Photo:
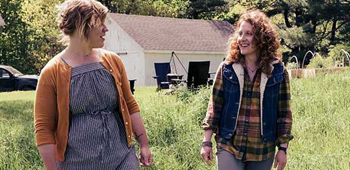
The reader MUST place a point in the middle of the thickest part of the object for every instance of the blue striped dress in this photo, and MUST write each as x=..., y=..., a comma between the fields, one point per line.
x=97, y=138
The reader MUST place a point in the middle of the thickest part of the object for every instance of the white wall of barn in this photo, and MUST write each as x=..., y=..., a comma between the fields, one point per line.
x=131, y=53
x=185, y=57
x=139, y=63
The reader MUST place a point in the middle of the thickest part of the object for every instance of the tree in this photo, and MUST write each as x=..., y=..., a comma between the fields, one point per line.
x=206, y=9
x=30, y=37
x=164, y=8
x=306, y=24
x=14, y=40
x=43, y=30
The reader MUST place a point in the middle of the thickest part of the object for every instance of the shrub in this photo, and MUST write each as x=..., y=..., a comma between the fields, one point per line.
x=339, y=56
x=320, y=62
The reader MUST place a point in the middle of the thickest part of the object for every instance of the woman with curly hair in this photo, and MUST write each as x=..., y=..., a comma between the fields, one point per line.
x=249, y=108
x=84, y=113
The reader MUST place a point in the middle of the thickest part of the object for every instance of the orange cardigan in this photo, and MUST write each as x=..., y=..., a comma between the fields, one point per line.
x=51, y=107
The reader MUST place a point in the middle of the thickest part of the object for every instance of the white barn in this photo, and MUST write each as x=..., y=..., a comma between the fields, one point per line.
x=142, y=41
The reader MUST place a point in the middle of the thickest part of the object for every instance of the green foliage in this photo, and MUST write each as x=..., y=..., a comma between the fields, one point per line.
x=206, y=9
x=13, y=42
x=234, y=11
x=321, y=126
x=340, y=54
x=169, y=8
x=40, y=18
x=307, y=24
x=320, y=62
x=29, y=39
x=16, y=132
x=173, y=126
x=183, y=94
x=292, y=65
x=320, y=123
x=164, y=8
x=295, y=37
x=197, y=9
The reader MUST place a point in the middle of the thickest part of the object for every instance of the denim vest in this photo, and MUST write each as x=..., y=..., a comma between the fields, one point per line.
x=233, y=81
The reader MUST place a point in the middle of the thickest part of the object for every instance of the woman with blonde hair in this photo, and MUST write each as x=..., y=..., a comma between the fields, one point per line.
x=249, y=108
x=84, y=111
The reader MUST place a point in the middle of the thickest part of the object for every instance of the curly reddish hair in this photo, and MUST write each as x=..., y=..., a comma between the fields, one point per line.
x=265, y=37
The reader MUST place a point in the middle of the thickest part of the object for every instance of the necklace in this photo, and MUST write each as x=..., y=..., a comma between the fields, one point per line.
x=251, y=70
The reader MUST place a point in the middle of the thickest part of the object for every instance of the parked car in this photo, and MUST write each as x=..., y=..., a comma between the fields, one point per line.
x=12, y=79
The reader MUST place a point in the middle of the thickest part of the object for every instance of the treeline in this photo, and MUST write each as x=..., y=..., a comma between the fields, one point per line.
x=30, y=37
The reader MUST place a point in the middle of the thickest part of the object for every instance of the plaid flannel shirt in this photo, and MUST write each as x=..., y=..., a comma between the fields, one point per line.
x=246, y=144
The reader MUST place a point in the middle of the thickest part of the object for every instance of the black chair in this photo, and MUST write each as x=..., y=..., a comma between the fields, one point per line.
x=132, y=85
x=162, y=70
x=211, y=78
x=198, y=73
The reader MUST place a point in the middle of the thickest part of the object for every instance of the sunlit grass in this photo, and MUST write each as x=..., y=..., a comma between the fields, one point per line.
x=17, y=95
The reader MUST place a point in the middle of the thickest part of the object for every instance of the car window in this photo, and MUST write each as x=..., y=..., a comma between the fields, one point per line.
x=4, y=74
x=13, y=71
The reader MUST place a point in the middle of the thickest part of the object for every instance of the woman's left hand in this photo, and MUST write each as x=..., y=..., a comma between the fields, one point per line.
x=280, y=160
x=145, y=157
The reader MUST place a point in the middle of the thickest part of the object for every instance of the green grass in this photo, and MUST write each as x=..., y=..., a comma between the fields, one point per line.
x=321, y=126
x=17, y=96
x=16, y=132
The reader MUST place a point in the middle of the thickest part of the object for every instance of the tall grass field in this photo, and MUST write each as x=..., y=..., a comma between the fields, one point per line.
x=321, y=126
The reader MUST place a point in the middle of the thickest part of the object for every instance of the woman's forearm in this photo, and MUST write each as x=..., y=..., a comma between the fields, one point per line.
x=207, y=135
x=48, y=153
x=139, y=129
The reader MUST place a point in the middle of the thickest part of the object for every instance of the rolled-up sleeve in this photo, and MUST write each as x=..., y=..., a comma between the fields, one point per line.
x=45, y=110
x=284, y=119
x=215, y=105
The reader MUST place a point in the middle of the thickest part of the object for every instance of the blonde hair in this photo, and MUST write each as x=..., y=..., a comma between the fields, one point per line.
x=79, y=16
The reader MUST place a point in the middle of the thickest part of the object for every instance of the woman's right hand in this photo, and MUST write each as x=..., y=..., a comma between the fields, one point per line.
x=207, y=154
